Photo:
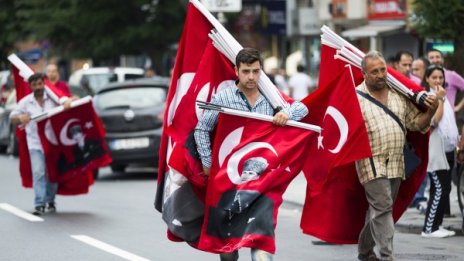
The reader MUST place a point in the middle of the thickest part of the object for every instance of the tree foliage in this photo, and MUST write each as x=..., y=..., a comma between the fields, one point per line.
x=442, y=20
x=99, y=29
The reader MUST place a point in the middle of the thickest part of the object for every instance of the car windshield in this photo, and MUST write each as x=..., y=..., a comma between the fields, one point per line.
x=96, y=81
x=133, y=97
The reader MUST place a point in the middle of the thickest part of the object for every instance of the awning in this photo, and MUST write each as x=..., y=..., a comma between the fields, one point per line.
x=370, y=30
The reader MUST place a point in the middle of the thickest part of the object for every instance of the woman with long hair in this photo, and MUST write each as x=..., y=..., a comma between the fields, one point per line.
x=442, y=144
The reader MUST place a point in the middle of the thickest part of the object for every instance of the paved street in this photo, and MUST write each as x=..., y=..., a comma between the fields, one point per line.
x=117, y=221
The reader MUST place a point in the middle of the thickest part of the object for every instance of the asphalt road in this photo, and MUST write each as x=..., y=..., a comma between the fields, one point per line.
x=117, y=221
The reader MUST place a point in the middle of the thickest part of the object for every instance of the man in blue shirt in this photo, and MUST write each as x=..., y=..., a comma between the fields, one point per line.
x=245, y=96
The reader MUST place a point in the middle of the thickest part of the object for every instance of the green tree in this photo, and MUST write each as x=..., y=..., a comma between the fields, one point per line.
x=11, y=30
x=104, y=29
x=442, y=20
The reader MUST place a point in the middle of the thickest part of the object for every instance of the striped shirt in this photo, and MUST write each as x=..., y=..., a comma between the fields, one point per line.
x=233, y=98
x=386, y=137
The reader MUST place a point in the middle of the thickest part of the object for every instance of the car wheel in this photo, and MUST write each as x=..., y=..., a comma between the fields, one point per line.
x=96, y=172
x=118, y=167
x=12, y=148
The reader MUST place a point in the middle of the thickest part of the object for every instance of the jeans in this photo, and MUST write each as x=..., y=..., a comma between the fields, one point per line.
x=44, y=190
x=256, y=255
x=420, y=194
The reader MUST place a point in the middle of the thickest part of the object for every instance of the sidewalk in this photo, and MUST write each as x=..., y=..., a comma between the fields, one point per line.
x=411, y=221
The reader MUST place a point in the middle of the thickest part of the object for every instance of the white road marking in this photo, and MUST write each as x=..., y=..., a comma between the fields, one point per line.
x=108, y=248
x=20, y=213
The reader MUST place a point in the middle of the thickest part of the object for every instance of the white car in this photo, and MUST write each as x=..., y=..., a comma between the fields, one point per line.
x=97, y=77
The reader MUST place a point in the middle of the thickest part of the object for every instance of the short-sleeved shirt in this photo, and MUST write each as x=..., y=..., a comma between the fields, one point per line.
x=454, y=83
x=29, y=105
x=386, y=137
x=300, y=83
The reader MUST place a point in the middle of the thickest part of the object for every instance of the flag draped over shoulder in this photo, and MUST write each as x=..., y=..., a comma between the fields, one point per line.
x=200, y=71
x=335, y=207
x=253, y=163
x=73, y=144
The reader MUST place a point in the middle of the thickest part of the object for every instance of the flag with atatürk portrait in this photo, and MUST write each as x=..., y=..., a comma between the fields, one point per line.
x=73, y=144
x=252, y=165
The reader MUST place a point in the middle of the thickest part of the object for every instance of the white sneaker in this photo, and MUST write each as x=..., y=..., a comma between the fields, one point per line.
x=436, y=234
x=450, y=232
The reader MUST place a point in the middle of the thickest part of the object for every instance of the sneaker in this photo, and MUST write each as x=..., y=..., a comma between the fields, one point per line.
x=40, y=210
x=51, y=207
x=368, y=257
x=450, y=232
x=436, y=234
x=422, y=207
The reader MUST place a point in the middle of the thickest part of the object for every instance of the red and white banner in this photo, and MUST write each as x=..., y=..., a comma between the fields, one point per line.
x=65, y=186
x=73, y=144
x=253, y=164
x=200, y=71
x=337, y=197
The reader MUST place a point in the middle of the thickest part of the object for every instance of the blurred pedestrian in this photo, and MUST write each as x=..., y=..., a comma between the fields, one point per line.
x=453, y=83
x=403, y=64
x=53, y=76
x=387, y=115
x=300, y=84
x=443, y=142
x=418, y=67
x=279, y=79
x=151, y=73
x=35, y=103
x=420, y=200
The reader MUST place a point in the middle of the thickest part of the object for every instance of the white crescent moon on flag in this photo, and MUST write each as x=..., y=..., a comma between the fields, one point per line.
x=202, y=96
x=65, y=140
x=183, y=84
x=229, y=143
x=342, y=126
x=232, y=165
x=224, y=85
x=50, y=134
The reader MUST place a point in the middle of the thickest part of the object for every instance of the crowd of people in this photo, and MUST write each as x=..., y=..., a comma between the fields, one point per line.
x=387, y=115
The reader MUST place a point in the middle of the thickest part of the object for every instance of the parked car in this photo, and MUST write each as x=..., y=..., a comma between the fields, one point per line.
x=8, y=140
x=132, y=115
x=97, y=77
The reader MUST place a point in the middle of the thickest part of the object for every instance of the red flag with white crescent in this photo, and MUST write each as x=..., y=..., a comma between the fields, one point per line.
x=200, y=70
x=252, y=165
x=340, y=203
x=73, y=142
x=22, y=90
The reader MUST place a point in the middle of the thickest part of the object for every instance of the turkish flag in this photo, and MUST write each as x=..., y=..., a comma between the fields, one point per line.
x=73, y=142
x=200, y=71
x=335, y=212
x=253, y=163
x=343, y=139
x=22, y=89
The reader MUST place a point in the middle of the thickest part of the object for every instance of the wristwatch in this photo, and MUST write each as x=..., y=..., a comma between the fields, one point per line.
x=441, y=98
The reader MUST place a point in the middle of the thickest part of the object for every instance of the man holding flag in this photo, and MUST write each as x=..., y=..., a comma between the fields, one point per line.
x=244, y=96
x=387, y=115
x=35, y=103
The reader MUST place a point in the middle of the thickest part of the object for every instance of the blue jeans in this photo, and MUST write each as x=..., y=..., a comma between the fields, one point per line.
x=44, y=191
x=420, y=194
x=256, y=255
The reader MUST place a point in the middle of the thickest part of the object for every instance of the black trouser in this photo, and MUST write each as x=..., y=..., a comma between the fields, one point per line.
x=439, y=195
x=450, y=157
